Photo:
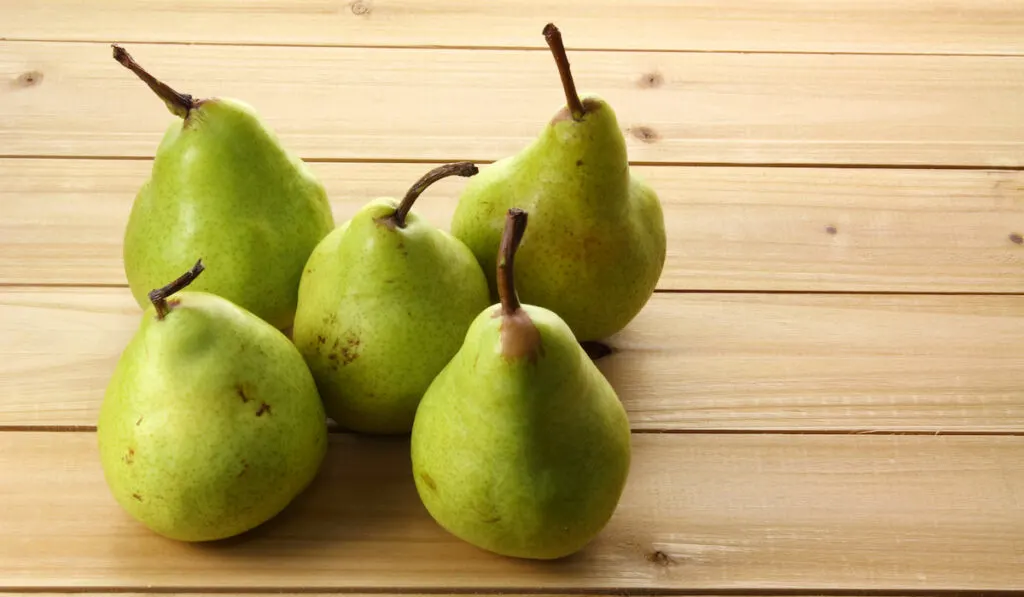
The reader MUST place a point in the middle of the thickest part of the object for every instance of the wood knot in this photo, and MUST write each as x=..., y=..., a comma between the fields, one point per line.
x=660, y=558
x=645, y=134
x=1016, y=239
x=831, y=229
x=650, y=80
x=32, y=77
x=361, y=8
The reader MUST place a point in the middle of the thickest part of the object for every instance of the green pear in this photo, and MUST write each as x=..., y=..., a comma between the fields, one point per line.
x=520, y=446
x=384, y=304
x=598, y=247
x=211, y=423
x=224, y=187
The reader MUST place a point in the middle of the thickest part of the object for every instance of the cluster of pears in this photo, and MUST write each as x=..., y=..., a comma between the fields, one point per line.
x=214, y=419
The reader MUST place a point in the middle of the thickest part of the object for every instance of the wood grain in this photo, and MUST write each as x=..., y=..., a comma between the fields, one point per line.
x=793, y=229
x=700, y=512
x=357, y=103
x=921, y=26
x=689, y=362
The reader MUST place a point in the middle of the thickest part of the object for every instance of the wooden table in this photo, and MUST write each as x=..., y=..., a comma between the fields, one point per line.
x=827, y=392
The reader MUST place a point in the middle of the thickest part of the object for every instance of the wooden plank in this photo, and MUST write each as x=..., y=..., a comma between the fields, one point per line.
x=919, y=26
x=688, y=362
x=738, y=512
x=357, y=103
x=794, y=229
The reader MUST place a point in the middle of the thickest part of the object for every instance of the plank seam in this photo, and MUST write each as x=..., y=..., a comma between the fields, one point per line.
x=512, y=48
x=668, y=164
x=641, y=431
x=640, y=592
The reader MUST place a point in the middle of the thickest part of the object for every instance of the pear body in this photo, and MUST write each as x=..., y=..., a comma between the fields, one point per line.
x=597, y=247
x=223, y=188
x=523, y=456
x=382, y=309
x=211, y=423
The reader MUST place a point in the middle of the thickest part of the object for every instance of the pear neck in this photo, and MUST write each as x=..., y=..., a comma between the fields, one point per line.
x=159, y=296
x=519, y=336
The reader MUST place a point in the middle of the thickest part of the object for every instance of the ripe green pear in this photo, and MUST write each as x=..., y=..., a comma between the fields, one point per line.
x=224, y=187
x=521, y=446
x=384, y=304
x=597, y=247
x=211, y=423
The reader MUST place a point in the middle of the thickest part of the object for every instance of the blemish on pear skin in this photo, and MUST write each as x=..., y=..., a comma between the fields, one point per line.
x=660, y=558
x=345, y=352
x=831, y=229
x=428, y=481
x=645, y=134
x=245, y=468
x=241, y=394
x=1016, y=239
x=139, y=422
x=264, y=408
x=129, y=458
x=579, y=163
x=137, y=497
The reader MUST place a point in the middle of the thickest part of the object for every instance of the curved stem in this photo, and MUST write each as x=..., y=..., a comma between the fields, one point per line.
x=178, y=103
x=515, y=227
x=456, y=169
x=554, y=38
x=159, y=296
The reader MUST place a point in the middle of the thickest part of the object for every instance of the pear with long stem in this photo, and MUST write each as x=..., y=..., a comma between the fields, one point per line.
x=224, y=187
x=596, y=257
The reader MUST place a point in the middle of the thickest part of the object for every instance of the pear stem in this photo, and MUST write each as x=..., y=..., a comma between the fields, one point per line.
x=456, y=169
x=515, y=227
x=554, y=38
x=178, y=103
x=159, y=296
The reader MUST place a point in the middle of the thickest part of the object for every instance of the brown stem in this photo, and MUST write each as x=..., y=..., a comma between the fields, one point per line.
x=515, y=227
x=178, y=103
x=159, y=296
x=456, y=169
x=572, y=99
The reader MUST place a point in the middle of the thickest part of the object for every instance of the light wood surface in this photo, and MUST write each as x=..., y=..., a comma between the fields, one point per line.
x=843, y=363
x=700, y=512
x=916, y=26
x=794, y=229
x=358, y=103
x=827, y=395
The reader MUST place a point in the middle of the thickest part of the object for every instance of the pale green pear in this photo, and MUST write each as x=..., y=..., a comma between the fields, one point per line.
x=521, y=446
x=225, y=188
x=211, y=423
x=597, y=248
x=384, y=304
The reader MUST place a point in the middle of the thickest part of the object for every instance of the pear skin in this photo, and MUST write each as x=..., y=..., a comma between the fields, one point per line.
x=224, y=187
x=597, y=247
x=520, y=446
x=211, y=423
x=384, y=304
